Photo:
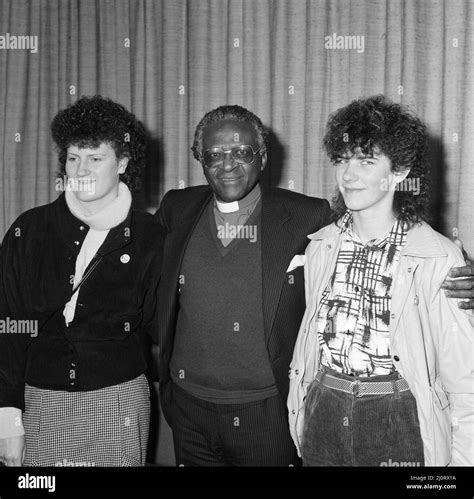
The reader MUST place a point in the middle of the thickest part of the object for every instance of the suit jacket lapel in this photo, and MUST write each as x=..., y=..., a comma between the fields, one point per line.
x=277, y=249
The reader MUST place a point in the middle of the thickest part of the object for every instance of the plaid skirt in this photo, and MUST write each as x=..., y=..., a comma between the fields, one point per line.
x=105, y=427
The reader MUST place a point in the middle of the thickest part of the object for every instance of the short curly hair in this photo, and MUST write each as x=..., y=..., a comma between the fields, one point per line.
x=378, y=124
x=92, y=120
x=235, y=113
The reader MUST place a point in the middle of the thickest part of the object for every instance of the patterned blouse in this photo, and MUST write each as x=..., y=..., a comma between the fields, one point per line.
x=353, y=319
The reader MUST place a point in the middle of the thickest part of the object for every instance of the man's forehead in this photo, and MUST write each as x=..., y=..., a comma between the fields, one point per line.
x=226, y=131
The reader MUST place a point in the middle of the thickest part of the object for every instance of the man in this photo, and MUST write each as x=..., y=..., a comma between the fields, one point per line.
x=230, y=303
x=231, y=299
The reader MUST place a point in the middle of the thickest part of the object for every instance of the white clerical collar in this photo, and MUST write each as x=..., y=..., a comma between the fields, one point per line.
x=246, y=202
x=227, y=207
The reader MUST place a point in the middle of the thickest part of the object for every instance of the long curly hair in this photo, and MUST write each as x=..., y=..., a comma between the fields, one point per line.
x=92, y=120
x=235, y=113
x=380, y=125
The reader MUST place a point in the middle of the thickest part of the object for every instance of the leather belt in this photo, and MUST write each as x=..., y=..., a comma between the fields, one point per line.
x=360, y=388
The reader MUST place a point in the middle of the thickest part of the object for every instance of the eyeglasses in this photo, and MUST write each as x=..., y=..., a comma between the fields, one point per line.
x=241, y=154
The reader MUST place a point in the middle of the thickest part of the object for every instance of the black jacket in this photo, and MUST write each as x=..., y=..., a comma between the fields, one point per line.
x=287, y=219
x=104, y=344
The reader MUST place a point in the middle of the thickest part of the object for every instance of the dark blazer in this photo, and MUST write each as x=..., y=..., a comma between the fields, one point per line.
x=287, y=219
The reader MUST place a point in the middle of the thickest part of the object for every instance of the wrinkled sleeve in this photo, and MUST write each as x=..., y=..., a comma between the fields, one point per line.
x=151, y=283
x=454, y=337
x=13, y=346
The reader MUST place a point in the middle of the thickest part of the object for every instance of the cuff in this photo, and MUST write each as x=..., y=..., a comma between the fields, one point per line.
x=11, y=424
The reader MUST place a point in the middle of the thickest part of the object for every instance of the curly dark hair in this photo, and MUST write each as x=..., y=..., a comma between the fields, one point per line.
x=380, y=125
x=92, y=120
x=235, y=113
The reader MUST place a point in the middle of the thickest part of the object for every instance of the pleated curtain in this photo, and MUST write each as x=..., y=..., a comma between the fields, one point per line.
x=170, y=61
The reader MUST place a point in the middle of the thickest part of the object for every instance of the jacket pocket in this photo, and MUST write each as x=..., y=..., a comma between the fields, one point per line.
x=440, y=396
x=440, y=434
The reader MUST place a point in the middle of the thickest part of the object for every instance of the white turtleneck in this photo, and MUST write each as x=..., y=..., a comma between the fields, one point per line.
x=100, y=224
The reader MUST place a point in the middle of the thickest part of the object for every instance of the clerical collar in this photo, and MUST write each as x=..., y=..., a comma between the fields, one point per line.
x=243, y=203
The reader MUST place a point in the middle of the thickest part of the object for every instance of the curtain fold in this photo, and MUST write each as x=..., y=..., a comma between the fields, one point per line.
x=170, y=61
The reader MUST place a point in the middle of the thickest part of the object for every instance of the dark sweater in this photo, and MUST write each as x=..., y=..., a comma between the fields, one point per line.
x=287, y=219
x=219, y=353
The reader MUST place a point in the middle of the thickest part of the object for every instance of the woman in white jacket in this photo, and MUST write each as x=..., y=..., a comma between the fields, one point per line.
x=382, y=372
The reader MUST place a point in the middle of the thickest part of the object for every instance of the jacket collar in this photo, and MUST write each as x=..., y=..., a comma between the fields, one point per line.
x=422, y=241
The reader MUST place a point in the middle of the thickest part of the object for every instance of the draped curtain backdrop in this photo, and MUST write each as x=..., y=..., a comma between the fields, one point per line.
x=170, y=61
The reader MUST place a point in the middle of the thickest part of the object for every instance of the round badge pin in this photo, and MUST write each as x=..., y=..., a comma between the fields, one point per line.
x=125, y=258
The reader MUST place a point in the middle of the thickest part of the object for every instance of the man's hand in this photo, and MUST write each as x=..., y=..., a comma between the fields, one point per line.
x=460, y=282
x=12, y=450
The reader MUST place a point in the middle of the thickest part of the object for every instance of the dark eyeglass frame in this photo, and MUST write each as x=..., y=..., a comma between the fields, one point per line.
x=231, y=151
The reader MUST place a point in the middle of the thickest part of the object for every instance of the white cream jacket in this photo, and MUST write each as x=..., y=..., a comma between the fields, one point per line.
x=431, y=339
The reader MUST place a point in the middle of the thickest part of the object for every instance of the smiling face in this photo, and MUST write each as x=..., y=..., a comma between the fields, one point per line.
x=95, y=174
x=232, y=180
x=367, y=182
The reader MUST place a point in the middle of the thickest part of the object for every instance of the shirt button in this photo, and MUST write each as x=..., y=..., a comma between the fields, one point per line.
x=81, y=227
x=357, y=289
x=77, y=243
x=329, y=246
x=396, y=358
x=293, y=411
x=392, y=316
x=417, y=300
x=296, y=371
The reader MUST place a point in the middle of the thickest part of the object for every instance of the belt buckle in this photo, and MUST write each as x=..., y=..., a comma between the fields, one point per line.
x=356, y=389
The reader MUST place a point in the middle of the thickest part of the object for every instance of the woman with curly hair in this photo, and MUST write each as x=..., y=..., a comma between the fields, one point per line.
x=82, y=272
x=382, y=368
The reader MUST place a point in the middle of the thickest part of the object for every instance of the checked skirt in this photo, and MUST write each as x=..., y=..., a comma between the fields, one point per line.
x=105, y=427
